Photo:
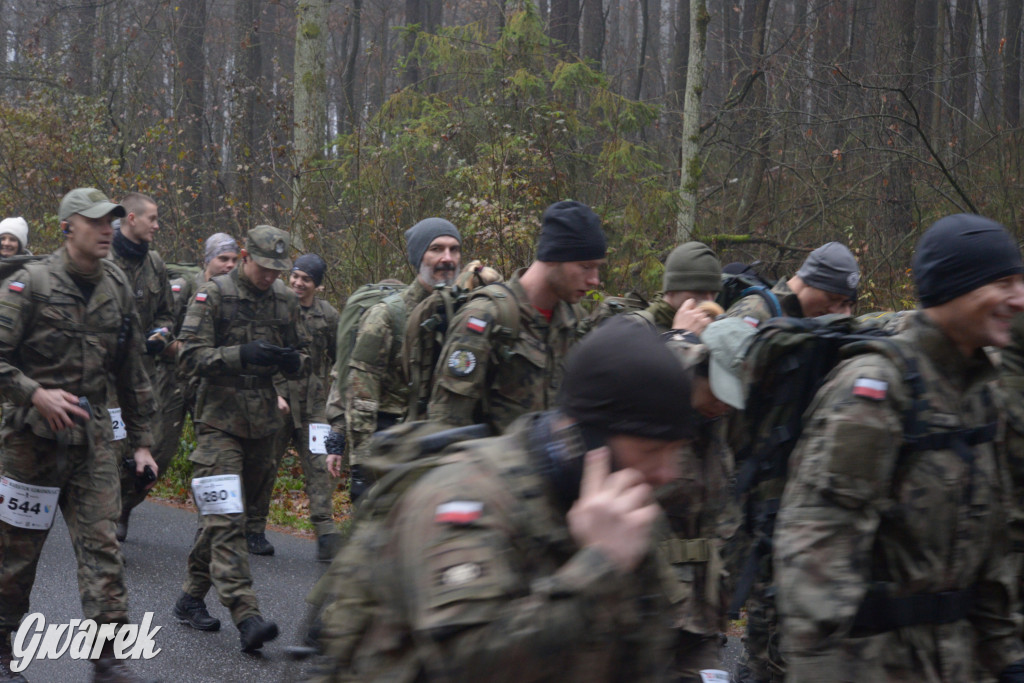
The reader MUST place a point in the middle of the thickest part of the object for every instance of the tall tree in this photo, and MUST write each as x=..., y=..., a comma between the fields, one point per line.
x=690, y=161
x=1011, y=64
x=348, y=78
x=310, y=89
x=593, y=29
x=248, y=68
x=190, y=87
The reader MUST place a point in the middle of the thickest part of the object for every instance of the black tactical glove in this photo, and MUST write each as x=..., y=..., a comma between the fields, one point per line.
x=335, y=443
x=289, y=360
x=260, y=352
x=157, y=341
x=1013, y=673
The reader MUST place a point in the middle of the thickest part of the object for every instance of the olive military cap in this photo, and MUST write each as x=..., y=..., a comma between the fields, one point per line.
x=269, y=247
x=89, y=202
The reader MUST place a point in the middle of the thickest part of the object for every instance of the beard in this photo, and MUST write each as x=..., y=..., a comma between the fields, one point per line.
x=443, y=274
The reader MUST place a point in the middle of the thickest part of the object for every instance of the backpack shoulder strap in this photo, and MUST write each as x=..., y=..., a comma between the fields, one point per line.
x=39, y=278
x=398, y=312
x=507, y=304
x=228, y=300
x=769, y=297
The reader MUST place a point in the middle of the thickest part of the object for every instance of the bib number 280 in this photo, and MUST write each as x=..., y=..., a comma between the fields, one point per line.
x=218, y=495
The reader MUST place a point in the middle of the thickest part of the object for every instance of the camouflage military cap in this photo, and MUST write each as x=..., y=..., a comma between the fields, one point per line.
x=89, y=202
x=269, y=247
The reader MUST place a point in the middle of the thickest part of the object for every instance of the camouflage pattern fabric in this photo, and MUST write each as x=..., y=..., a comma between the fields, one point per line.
x=219, y=556
x=1011, y=385
x=42, y=345
x=704, y=520
x=658, y=313
x=485, y=376
x=306, y=398
x=508, y=595
x=236, y=411
x=855, y=513
x=755, y=310
x=376, y=391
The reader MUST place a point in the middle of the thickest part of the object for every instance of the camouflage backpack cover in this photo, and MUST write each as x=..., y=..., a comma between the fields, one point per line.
x=358, y=303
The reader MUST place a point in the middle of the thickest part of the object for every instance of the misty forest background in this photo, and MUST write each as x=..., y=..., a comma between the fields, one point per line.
x=346, y=121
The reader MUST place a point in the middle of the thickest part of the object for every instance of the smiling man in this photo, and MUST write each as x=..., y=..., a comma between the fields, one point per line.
x=69, y=338
x=505, y=348
x=891, y=543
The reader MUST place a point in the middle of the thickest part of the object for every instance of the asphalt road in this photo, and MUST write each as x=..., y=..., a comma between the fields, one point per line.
x=159, y=539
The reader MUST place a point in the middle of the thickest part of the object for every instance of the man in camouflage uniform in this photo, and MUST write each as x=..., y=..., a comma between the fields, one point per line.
x=147, y=276
x=692, y=273
x=891, y=550
x=1011, y=384
x=220, y=254
x=525, y=557
x=505, y=347
x=825, y=283
x=376, y=394
x=304, y=401
x=241, y=330
x=69, y=331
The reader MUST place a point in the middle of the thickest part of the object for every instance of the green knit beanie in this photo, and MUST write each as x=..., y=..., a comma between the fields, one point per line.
x=692, y=267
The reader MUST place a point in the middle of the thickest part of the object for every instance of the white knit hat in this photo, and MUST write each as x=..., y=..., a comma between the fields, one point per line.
x=15, y=226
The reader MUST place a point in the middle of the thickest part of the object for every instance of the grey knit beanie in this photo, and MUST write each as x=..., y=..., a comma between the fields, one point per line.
x=419, y=237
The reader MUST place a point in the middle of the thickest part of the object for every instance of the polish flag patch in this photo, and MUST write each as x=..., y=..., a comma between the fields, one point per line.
x=175, y=288
x=476, y=324
x=751, y=320
x=874, y=389
x=458, y=512
x=16, y=286
x=201, y=297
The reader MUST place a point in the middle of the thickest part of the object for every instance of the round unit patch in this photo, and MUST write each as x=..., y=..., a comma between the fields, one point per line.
x=460, y=574
x=462, y=362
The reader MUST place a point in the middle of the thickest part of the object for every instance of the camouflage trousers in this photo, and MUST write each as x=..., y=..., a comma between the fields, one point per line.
x=318, y=482
x=166, y=427
x=220, y=556
x=761, y=661
x=89, y=503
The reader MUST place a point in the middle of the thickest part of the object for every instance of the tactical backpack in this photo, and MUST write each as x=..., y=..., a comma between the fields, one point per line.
x=358, y=303
x=183, y=271
x=343, y=602
x=427, y=327
x=603, y=307
x=785, y=366
x=747, y=281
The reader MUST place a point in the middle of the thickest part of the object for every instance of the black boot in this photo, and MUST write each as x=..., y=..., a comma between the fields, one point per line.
x=258, y=544
x=327, y=546
x=192, y=611
x=122, y=524
x=255, y=631
x=6, y=655
x=109, y=669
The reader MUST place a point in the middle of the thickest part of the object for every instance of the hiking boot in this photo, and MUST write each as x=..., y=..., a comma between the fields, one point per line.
x=122, y=524
x=110, y=670
x=192, y=611
x=255, y=631
x=6, y=675
x=258, y=544
x=326, y=547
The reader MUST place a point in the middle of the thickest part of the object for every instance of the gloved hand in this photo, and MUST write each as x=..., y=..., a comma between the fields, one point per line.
x=289, y=360
x=157, y=341
x=260, y=352
x=335, y=443
x=1013, y=673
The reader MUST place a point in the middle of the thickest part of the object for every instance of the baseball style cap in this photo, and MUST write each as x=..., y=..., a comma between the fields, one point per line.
x=727, y=341
x=88, y=202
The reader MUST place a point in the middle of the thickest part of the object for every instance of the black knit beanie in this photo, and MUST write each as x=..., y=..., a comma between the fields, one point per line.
x=622, y=379
x=313, y=266
x=960, y=253
x=570, y=231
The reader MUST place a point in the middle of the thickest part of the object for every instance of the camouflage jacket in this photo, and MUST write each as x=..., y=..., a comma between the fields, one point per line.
x=702, y=513
x=855, y=513
x=63, y=342
x=755, y=310
x=1011, y=383
x=232, y=397
x=507, y=595
x=376, y=383
x=485, y=375
x=307, y=397
x=182, y=291
x=658, y=313
x=153, y=299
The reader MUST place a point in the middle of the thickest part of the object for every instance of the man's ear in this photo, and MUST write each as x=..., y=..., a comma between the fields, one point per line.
x=65, y=227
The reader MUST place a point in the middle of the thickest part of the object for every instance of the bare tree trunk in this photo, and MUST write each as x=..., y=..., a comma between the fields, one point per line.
x=190, y=93
x=349, y=76
x=926, y=19
x=760, y=125
x=310, y=95
x=1011, y=64
x=642, y=59
x=414, y=16
x=593, y=30
x=960, y=70
x=248, y=68
x=82, y=46
x=690, y=162
x=680, y=60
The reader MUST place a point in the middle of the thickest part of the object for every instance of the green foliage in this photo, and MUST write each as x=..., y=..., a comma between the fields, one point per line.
x=494, y=132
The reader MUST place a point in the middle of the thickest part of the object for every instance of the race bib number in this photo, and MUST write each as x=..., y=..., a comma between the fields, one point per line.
x=218, y=495
x=118, y=424
x=714, y=676
x=26, y=506
x=318, y=437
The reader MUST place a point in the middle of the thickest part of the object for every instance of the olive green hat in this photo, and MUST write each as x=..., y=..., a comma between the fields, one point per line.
x=269, y=247
x=692, y=267
x=88, y=202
